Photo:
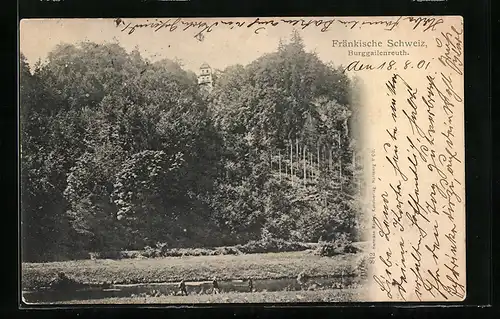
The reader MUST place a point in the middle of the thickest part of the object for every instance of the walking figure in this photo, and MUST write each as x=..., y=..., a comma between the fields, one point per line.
x=182, y=288
x=301, y=279
x=215, y=285
x=250, y=284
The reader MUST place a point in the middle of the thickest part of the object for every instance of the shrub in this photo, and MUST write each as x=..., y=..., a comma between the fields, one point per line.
x=270, y=245
x=162, y=247
x=253, y=247
x=129, y=254
x=227, y=251
x=328, y=249
x=173, y=252
x=197, y=252
x=350, y=249
x=150, y=252
x=341, y=245
x=113, y=254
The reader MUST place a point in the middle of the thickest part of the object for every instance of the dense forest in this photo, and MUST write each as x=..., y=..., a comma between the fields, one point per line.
x=118, y=152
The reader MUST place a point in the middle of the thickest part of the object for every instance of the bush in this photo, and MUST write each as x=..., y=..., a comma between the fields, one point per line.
x=150, y=252
x=341, y=245
x=252, y=247
x=329, y=250
x=111, y=255
x=350, y=249
x=270, y=246
x=227, y=251
x=197, y=252
x=173, y=252
x=132, y=254
x=106, y=255
x=267, y=245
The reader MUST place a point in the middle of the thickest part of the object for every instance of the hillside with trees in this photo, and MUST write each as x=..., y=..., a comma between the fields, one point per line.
x=119, y=153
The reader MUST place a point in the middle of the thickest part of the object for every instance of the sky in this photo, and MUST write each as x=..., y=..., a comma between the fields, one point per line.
x=220, y=48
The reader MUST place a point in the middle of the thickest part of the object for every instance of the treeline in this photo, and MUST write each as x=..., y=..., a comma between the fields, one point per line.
x=118, y=152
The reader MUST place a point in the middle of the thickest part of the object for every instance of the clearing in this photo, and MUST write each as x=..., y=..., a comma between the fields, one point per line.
x=258, y=267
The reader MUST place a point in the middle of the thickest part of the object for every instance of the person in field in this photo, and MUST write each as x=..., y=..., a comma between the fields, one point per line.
x=182, y=288
x=302, y=279
x=250, y=284
x=215, y=286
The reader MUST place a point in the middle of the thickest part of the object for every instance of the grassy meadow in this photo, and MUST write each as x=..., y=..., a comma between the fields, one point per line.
x=193, y=268
x=332, y=295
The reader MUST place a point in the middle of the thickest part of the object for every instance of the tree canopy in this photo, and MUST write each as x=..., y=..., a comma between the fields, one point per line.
x=119, y=152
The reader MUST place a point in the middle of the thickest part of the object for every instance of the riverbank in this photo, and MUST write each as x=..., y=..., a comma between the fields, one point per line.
x=193, y=268
x=332, y=295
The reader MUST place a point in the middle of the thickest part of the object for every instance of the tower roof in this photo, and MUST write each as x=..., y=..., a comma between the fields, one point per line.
x=205, y=66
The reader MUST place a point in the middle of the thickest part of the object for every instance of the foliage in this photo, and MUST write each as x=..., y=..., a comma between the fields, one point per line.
x=119, y=153
x=341, y=245
x=271, y=245
x=289, y=95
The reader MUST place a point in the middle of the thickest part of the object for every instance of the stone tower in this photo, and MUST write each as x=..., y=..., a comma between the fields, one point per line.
x=205, y=76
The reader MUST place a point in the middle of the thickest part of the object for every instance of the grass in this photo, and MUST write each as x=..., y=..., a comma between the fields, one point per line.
x=252, y=247
x=190, y=268
x=344, y=295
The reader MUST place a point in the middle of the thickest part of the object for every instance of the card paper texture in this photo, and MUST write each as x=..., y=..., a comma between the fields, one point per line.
x=229, y=160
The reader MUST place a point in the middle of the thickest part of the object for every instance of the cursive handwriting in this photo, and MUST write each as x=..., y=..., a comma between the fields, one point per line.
x=452, y=43
x=257, y=25
x=420, y=208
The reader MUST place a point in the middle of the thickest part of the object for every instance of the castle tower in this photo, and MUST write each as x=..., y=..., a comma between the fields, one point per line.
x=205, y=76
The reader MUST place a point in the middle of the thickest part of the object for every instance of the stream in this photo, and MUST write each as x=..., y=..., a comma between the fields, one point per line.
x=196, y=288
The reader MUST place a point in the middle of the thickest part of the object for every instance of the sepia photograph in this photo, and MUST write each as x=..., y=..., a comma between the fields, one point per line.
x=191, y=175
x=195, y=161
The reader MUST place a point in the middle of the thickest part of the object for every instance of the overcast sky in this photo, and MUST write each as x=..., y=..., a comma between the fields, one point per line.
x=220, y=48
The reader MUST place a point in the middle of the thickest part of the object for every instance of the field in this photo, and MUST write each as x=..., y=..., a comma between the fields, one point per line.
x=190, y=268
x=344, y=295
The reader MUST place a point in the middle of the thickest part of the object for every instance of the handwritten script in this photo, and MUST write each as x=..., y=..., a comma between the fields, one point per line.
x=418, y=225
x=415, y=136
x=200, y=27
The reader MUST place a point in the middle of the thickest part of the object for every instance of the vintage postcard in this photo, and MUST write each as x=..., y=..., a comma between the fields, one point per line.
x=242, y=160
